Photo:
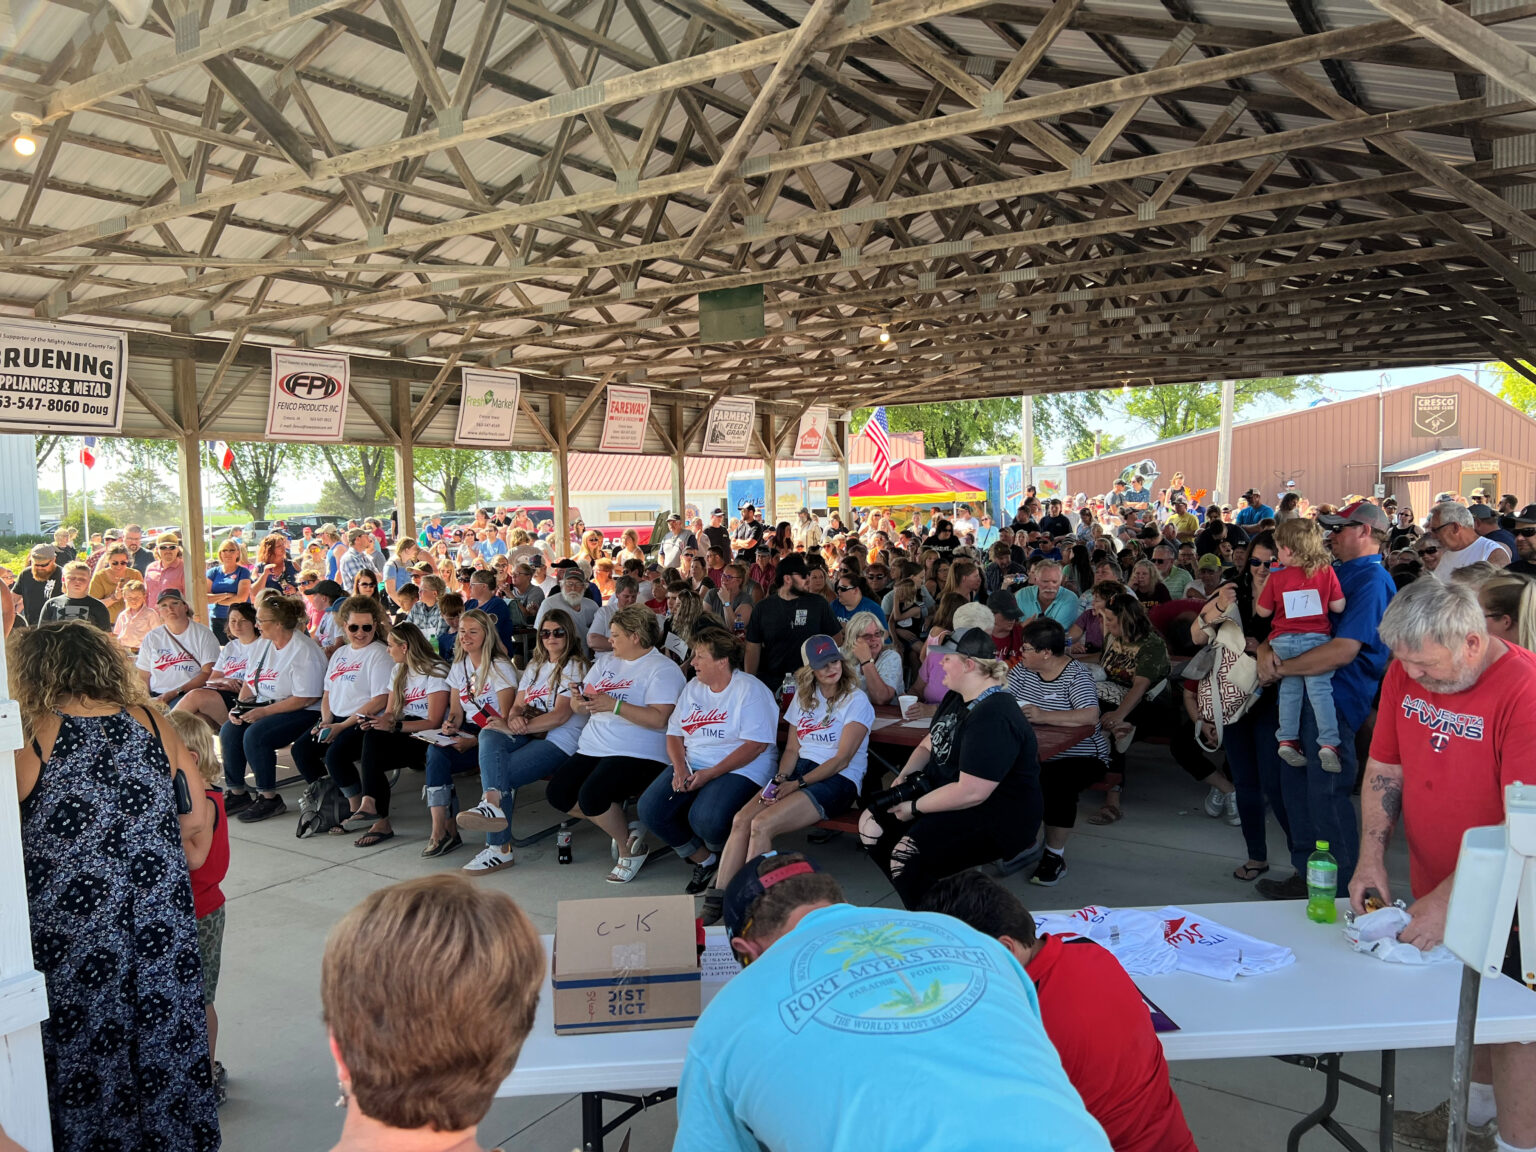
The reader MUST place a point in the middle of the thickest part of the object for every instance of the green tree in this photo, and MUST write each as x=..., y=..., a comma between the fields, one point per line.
x=1514, y=388
x=1175, y=409
x=249, y=484
x=1080, y=445
x=139, y=494
x=449, y=473
x=44, y=446
x=363, y=478
x=958, y=428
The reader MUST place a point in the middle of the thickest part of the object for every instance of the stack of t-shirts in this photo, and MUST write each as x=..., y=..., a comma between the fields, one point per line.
x=1210, y=949
x=1135, y=937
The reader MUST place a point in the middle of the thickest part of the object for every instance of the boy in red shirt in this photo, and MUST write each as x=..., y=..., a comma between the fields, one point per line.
x=208, y=859
x=1093, y=1013
x=1299, y=596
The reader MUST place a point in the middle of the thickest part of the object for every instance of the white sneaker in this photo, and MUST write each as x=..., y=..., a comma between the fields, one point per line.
x=1231, y=805
x=488, y=859
x=1215, y=803
x=483, y=817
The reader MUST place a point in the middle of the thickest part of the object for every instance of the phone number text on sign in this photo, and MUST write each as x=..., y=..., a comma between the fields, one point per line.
x=61, y=379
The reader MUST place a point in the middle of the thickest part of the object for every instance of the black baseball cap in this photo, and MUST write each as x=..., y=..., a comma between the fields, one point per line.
x=329, y=588
x=1004, y=604
x=972, y=642
x=748, y=886
x=793, y=565
x=1526, y=515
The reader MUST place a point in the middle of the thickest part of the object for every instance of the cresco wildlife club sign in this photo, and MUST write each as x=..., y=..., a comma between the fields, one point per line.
x=59, y=378
x=309, y=395
x=1435, y=414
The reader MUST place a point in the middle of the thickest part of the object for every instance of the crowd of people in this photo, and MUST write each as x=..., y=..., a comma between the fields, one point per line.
x=719, y=693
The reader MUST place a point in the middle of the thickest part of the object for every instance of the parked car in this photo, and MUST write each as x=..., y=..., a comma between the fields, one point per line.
x=293, y=526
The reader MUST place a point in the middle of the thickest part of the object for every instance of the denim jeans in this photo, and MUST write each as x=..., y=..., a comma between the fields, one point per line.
x=255, y=745
x=1318, y=804
x=442, y=765
x=1256, y=767
x=1317, y=689
x=689, y=821
x=508, y=763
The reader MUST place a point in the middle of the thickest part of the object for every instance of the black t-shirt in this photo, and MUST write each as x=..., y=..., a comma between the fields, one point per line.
x=946, y=547
x=719, y=536
x=744, y=532
x=35, y=593
x=1054, y=526
x=86, y=609
x=781, y=626
x=989, y=739
x=1523, y=567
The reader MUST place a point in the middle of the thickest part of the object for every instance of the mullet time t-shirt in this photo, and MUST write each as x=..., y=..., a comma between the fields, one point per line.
x=649, y=679
x=712, y=725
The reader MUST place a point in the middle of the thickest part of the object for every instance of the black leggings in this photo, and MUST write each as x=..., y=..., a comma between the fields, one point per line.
x=590, y=785
x=314, y=759
x=382, y=752
x=1062, y=780
x=1164, y=717
x=917, y=855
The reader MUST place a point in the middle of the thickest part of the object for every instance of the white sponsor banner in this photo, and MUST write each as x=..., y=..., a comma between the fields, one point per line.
x=1051, y=483
x=629, y=410
x=309, y=395
x=812, y=435
x=59, y=378
x=729, y=429
x=487, y=408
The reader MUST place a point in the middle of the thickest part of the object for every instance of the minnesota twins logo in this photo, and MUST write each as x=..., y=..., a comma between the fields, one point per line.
x=1439, y=741
x=899, y=976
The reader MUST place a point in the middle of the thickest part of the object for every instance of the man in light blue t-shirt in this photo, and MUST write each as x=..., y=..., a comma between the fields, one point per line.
x=855, y=1028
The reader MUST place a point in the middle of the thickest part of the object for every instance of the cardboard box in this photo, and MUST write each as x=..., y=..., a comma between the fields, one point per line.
x=626, y=964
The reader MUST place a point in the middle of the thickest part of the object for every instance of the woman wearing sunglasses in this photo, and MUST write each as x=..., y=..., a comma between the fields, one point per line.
x=113, y=570
x=1429, y=551
x=539, y=734
x=356, y=684
x=166, y=569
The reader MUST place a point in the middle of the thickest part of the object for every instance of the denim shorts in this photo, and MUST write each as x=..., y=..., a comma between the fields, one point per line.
x=832, y=796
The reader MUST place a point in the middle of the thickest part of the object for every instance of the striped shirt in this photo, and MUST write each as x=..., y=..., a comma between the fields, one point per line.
x=1072, y=689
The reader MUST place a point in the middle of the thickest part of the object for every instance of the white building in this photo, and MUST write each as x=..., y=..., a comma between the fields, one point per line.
x=18, y=485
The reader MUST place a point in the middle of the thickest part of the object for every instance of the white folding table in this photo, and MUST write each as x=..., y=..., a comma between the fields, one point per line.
x=1331, y=1001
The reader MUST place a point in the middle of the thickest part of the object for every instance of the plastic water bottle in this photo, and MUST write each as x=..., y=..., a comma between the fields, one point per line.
x=1322, y=885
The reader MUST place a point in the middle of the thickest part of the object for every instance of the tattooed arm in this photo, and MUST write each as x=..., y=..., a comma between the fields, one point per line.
x=1381, y=803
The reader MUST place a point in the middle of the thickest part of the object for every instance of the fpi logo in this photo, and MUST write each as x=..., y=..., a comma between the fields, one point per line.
x=310, y=385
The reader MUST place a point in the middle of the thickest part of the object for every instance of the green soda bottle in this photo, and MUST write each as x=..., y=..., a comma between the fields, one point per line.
x=1322, y=885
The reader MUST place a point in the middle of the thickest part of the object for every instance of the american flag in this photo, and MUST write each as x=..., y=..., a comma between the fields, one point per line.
x=88, y=451
x=879, y=433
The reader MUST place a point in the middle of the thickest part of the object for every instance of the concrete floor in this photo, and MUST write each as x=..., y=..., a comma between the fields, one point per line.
x=284, y=894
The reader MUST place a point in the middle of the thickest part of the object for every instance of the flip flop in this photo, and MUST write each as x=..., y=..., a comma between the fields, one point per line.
x=369, y=839
x=1247, y=873
x=1108, y=814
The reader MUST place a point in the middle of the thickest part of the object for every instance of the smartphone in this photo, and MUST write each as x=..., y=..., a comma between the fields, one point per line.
x=324, y=734
x=183, y=794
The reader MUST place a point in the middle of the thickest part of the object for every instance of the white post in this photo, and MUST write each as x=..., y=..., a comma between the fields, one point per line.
x=85, y=505
x=679, y=493
x=189, y=483
x=844, y=501
x=1027, y=439
x=23, y=995
x=1223, y=490
x=561, y=459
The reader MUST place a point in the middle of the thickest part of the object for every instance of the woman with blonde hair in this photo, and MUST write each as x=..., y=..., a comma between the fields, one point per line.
x=1509, y=604
x=419, y=1056
x=138, y=618
x=417, y=701
x=629, y=547
x=106, y=879
x=1147, y=583
x=484, y=683
x=877, y=666
x=976, y=776
x=229, y=582
x=539, y=733
x=113, y=570
x=826, y=753
x=590, y=553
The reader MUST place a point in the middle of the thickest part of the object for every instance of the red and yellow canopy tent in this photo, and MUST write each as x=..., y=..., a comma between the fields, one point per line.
x=912, y=482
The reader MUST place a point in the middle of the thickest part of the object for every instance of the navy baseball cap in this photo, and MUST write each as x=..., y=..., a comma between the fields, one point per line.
x=819, y=651
x=747, y=886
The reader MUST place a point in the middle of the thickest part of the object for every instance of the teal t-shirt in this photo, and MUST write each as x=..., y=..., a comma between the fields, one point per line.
x=876, y=1028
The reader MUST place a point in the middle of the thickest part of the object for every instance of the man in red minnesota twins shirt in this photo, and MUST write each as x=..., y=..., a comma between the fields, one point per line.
x=1456, y=725
x=1092, y=1011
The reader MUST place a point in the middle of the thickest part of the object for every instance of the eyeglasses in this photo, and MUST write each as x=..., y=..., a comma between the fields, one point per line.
x=846, y=588
x=1428, y=551
x=165, y=548
x=1255, y=562
x=872, y=634
x=556, y=633
x=359, y=627
x=118, y=564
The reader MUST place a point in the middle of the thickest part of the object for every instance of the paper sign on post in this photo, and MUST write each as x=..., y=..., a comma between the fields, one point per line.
x=812, y=435
x=309, y=395
x=729, y=429
x=624, y=422
x=487, y=408
x=59, y=378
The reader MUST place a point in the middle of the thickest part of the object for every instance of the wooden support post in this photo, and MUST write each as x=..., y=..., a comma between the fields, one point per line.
x=769, y=511
x=844, y=501
x=189, y=474
x=1223, y=493
x=561, y=458
x=405, y=459
x=1027, y=439
x=679, y=495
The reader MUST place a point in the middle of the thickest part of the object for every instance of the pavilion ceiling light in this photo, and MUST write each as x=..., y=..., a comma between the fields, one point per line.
x=27, y=117
x=885, y=335
x=24, y=143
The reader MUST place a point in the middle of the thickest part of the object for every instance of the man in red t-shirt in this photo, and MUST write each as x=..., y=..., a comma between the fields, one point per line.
x=1093, y=1013
x=1456, y=725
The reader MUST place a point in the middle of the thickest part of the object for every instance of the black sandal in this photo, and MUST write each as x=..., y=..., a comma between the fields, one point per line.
x=370, y=838
x=1248, y=873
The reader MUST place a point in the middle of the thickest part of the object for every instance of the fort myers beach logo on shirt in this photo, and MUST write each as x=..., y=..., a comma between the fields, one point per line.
x=899, y=976
x=698, y=718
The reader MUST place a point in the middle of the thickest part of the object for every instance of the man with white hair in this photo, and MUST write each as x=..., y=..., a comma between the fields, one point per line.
x=1456, y=529
x=1455, y=727
x=571, y=599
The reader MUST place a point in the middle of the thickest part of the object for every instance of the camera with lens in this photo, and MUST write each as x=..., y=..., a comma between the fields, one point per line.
x=899, y=793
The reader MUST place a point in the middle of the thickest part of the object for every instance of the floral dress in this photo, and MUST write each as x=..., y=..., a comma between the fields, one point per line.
x=113, y=932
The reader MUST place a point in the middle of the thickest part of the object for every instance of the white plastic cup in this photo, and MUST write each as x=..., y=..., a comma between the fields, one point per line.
x=906, y=703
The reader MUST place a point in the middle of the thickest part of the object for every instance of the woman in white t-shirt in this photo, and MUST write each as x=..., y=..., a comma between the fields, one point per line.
x=177, y=657
x=356, y=681
x=628, y=698
x=822, y=767
x=416, y=700
x=538, y=735
x=721, y=741
x=283, y=683
x=218, y=694
x=484, y=684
